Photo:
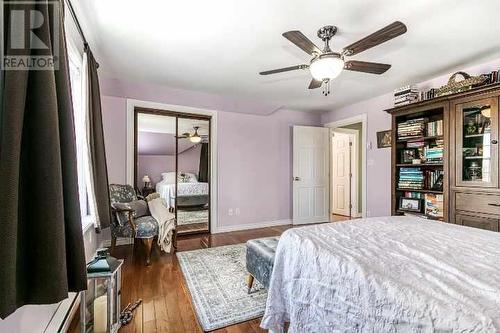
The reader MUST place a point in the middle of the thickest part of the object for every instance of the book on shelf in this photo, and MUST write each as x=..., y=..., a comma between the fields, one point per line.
x=411, y=128
x=433, y=179
x=418, y=143
x=435, y=128
x=433, y=205
x=413, y=195
x=411, y=178
x=492, y=77
x=433, y=155
x=406, y=95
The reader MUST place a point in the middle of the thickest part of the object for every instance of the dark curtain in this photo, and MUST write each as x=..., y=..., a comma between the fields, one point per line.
x=203, y=171
x=96, y=146
x=41, y=248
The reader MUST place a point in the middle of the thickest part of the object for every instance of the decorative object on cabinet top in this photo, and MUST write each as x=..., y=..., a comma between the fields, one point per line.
x=468, y=82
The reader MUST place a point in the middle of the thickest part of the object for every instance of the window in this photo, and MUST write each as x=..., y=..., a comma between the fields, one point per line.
x=75, y=60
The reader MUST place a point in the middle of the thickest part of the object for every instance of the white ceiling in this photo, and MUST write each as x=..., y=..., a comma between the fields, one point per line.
x=220, y=46
x=165, y=124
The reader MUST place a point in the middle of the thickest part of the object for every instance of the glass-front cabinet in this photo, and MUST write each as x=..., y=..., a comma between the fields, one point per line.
x=477, y=143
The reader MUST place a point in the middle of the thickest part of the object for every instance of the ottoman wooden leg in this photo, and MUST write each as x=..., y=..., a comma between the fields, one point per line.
x=249, y=282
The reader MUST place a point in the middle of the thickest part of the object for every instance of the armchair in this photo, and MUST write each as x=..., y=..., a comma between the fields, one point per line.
x=128, y=218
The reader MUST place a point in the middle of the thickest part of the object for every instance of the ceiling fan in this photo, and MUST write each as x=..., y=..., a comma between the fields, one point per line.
x=193, y=137
x=326, y=65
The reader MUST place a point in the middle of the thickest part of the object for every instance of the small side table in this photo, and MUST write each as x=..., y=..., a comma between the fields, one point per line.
x=147, y=191
x=100, y=304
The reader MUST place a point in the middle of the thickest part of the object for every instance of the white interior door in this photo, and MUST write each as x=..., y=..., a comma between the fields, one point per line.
x=311, y=189
x=341, y=173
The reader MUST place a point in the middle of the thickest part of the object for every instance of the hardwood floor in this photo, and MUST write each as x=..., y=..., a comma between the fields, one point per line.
x=166, y=303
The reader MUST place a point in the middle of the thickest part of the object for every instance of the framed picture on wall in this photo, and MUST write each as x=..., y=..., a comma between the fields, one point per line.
x=384, y=139
x=410, y=204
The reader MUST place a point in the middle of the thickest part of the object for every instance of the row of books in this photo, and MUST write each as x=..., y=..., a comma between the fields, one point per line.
x=411, y=178
x=435, y=128
x=418, y=143
x=411, y=128
x=433, y=179
x=433, y=155
x=413, y=195
x=405, y=95
x=493, y=77
x=433, y=204
x=429, y=94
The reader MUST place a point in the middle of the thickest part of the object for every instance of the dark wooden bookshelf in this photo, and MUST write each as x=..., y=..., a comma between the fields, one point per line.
x=430, y=111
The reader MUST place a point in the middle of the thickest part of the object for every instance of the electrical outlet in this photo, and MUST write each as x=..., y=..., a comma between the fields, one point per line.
x=237, y=211
x=230, y=212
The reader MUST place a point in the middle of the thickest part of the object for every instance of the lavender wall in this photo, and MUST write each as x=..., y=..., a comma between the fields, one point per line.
x=153, y=166
x=189, y=160
x=379, y=160
x=115, y=135
x=254, y=151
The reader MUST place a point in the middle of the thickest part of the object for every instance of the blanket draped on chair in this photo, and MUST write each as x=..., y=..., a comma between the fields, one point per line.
x=165, y=219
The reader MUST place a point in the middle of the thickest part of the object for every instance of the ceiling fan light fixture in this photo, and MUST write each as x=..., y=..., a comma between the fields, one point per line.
x=195, y=139
x=326, y=67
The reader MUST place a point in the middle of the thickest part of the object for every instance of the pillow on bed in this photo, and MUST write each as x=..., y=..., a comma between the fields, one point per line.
x=168, y=177
x=190, y=177
x=183, y=177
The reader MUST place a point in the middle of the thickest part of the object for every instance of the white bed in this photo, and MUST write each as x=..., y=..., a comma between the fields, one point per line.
x=388, y=274
x=190, y=188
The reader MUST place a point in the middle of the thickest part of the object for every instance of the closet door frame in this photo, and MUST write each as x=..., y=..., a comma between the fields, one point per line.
x=136, y=106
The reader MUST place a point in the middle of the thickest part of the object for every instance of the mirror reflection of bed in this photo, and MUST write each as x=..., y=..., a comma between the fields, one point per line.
x=161, y=149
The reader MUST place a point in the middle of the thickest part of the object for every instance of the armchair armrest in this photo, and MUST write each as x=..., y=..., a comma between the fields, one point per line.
x=129, y=212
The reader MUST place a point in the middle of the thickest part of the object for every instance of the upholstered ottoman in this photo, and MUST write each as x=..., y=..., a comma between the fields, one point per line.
x=260, y=260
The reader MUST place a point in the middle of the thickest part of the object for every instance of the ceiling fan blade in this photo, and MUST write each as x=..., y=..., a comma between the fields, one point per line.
x=302, y=41
x=285, y=69
x=315, y=84
x=383, y=35
x=366, y=67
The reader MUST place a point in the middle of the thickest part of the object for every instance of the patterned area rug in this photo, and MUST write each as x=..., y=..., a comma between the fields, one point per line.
x=192, y=216
x=216, y=278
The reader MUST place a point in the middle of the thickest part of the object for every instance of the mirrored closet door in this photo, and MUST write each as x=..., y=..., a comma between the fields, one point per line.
x=172, y=158
x=193, y=199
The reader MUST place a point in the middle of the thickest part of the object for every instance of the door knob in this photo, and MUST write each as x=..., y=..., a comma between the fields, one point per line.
x=296, y=179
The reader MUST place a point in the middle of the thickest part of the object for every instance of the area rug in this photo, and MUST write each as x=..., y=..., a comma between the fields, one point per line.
x=185, y=217
x=216, y=279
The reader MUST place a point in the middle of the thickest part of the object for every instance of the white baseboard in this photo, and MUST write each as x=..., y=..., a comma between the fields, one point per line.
x=119, y=241
x=248, y=226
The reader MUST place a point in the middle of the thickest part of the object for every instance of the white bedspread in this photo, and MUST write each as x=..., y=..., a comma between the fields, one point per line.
x=167, y=191
x=388, y=274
